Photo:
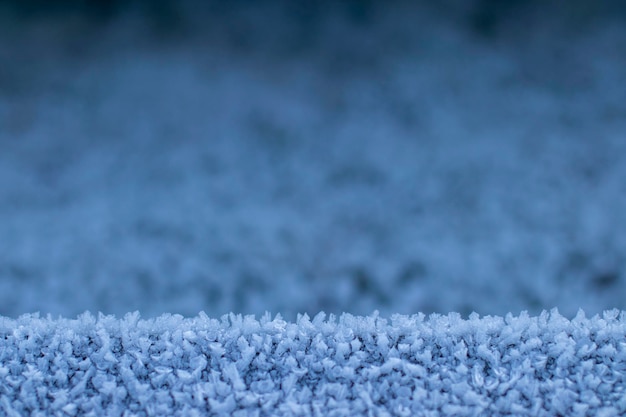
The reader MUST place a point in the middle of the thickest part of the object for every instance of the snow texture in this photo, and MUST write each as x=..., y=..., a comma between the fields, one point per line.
x=544, y=365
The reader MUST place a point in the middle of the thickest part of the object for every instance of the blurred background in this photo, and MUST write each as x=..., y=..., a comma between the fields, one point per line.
x=299, y=156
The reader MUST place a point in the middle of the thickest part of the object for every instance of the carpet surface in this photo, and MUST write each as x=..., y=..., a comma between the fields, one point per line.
x=298, y=157
x=545, y=365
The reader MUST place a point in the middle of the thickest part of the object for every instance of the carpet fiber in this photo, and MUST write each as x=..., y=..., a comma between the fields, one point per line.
x=544, y=365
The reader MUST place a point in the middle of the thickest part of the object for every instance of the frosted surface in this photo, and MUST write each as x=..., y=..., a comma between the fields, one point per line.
x=522, y=365
x=346, y=158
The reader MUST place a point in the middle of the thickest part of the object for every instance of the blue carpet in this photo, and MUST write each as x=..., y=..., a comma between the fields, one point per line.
x=544, y=365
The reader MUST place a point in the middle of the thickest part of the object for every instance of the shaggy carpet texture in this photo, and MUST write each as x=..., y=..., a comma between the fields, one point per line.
x=543, y=365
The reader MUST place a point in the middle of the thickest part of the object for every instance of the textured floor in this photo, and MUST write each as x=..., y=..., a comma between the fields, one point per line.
x=337, y=157
x=356, y=365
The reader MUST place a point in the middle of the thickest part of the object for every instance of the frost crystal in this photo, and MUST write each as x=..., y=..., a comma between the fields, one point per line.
x=444, y=365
